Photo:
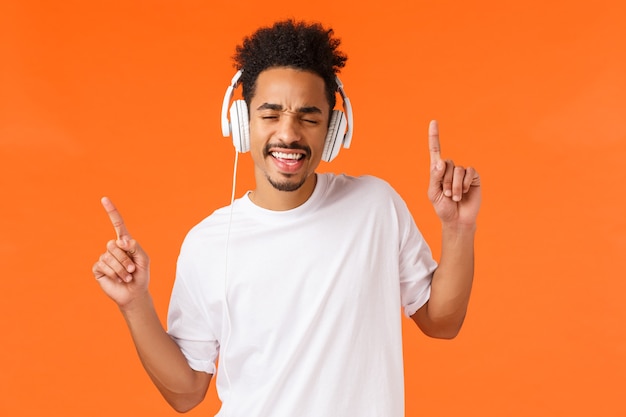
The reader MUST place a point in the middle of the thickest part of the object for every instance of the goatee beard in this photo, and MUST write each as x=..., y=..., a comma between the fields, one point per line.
x=286, y=185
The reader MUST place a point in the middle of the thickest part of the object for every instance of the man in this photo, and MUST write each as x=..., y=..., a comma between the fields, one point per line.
x=299, y=284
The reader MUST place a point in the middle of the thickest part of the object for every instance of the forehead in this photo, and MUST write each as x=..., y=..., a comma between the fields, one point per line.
x=290, y=87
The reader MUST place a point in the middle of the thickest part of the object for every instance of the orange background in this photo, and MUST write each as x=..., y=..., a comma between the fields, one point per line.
x=123, y=99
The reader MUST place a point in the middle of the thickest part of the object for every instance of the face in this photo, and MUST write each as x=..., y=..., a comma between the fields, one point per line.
x=288, y=123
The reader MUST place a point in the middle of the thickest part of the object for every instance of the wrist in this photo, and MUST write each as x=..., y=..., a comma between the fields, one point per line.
x=459, y=228
x=137, y=306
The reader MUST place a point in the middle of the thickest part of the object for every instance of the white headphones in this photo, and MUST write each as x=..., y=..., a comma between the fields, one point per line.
x=339, y=129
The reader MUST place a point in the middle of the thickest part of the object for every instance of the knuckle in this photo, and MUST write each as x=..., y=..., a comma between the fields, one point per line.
x=99, y=270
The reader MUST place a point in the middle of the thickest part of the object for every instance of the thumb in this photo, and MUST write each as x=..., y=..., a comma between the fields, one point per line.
x=130, y=246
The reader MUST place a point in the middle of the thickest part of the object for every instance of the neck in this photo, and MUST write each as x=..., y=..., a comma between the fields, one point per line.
x=268, y=197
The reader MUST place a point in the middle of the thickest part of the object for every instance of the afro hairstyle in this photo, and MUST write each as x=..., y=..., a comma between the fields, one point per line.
x=291, y=44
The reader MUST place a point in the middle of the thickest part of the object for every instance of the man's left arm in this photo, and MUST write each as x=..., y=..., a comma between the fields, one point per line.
x=456, y=195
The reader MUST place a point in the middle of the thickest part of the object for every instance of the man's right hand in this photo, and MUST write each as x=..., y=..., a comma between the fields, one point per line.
x=123, y=273
x=123, y=270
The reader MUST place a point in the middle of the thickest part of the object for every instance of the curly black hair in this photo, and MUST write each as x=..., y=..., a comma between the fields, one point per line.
x=299, y=45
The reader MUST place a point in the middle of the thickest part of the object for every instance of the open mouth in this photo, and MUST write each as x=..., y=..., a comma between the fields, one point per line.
x=287, y=157
x=288, y=161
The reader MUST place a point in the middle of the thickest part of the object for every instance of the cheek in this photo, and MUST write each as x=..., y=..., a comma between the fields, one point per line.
x=257, y=141
x=320, y=145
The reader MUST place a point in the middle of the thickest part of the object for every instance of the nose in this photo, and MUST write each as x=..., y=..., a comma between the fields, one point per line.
x=288, y=128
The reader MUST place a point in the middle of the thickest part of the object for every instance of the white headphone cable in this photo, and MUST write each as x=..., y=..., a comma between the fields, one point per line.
x=228, y=330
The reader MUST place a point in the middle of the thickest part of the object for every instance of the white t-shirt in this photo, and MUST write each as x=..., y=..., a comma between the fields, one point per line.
x=303, y=306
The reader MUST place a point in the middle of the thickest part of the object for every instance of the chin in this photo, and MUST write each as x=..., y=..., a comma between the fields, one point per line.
x=286, y=185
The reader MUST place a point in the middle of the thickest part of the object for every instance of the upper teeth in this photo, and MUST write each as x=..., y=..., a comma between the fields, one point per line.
x=283, y=155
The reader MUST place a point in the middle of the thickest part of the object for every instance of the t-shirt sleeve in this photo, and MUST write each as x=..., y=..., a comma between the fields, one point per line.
x=416, y=262
x=189, y=320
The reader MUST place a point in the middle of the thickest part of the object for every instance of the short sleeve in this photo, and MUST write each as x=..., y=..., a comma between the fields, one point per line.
x=416, y=262
x=188, y=321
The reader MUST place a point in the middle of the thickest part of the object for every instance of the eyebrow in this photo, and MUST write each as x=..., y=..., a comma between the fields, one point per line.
x=278, y=107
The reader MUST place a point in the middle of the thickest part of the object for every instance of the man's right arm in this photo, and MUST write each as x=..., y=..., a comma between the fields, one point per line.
x=182, y=387
x=123, y=272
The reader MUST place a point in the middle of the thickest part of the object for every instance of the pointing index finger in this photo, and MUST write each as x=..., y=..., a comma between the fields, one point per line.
x=433, y=142
x=116, y=219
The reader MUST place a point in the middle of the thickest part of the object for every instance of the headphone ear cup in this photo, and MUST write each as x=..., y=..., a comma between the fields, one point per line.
x=240, y=126
x=335, y=135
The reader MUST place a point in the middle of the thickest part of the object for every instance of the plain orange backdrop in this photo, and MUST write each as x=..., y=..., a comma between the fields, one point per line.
x=122, y=98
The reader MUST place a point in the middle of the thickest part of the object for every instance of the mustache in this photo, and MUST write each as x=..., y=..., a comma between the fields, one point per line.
x=292, y=146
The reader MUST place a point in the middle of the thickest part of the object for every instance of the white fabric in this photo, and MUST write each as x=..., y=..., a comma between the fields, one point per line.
x=303, y=305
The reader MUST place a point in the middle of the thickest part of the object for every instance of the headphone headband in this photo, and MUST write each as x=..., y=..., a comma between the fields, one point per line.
x=230, y=91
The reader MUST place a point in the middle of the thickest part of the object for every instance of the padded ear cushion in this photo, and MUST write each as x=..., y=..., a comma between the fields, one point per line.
x=240, y=125
x=335, y=135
